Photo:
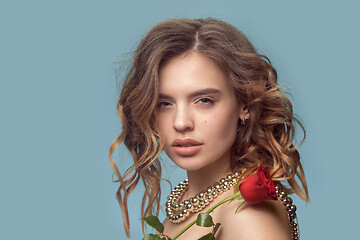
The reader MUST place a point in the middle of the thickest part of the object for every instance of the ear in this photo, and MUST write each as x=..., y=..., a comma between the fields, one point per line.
x=244, y=112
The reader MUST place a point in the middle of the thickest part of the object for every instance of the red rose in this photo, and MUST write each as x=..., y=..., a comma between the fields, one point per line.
x=258, y=187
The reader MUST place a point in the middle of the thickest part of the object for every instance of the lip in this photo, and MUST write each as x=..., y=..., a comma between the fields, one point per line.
x=186, y=147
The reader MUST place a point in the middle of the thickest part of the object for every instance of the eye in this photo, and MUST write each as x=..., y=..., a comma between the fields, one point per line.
x=205, y=101
x=164, y=104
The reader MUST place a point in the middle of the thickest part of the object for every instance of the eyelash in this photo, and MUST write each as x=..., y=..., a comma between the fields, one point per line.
x=202, y=101
x=163, y=104
x=208, y=100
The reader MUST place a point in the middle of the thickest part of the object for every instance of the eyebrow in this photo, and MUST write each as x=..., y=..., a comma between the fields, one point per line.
x=195, y=94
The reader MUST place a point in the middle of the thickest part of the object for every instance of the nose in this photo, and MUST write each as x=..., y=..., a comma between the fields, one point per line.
x=183, y=120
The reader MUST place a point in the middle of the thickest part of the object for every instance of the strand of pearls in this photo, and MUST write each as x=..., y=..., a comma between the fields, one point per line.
x=291, y=210
x=177, y=210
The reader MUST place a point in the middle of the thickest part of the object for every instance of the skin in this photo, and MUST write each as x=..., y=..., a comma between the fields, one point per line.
x=196, y=102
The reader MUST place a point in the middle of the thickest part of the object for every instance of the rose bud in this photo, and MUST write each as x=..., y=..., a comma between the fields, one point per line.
x=258, y=187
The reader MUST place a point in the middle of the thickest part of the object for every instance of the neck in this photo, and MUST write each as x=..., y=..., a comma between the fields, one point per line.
x=202, y=178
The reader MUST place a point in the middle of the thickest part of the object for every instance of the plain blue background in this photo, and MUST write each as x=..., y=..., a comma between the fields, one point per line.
x=58, y=107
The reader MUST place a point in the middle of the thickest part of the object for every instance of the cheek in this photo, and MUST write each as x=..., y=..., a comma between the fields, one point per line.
x=164, y=127
x=222, y=126
x=161, y=122
x=158, y=124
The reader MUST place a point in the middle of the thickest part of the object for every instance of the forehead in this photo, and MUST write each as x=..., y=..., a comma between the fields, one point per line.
x=192, y=72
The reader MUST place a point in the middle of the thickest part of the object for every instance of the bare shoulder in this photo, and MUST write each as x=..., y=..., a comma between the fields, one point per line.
x=268, y=220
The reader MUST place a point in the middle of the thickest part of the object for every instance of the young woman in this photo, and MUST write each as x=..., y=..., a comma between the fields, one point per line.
x=198, y=90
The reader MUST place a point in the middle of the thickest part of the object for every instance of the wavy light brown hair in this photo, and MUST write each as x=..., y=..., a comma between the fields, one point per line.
x=267, y=138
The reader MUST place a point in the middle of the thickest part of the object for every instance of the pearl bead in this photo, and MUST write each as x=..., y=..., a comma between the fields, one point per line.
x=282, y=195
x=217, y=185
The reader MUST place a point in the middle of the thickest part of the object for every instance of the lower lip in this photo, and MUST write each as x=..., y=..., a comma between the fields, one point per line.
x=187, y=151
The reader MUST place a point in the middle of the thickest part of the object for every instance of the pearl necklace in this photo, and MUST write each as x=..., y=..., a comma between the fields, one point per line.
x=177, y=211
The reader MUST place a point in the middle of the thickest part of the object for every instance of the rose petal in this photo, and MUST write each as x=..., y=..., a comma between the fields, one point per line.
x=258, y=187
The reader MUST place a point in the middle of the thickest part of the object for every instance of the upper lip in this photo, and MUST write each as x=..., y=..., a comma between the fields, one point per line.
x=185, y=142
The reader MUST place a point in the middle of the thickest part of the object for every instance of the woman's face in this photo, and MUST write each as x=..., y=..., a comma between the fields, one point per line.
x=197, y=112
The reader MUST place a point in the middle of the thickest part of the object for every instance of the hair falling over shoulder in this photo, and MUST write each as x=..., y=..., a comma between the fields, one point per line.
x=267, y=138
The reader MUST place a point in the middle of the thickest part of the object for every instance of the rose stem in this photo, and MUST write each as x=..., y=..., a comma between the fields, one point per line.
x=232, y=197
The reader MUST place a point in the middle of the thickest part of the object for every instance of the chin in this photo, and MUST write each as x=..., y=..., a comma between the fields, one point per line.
x=189, y=164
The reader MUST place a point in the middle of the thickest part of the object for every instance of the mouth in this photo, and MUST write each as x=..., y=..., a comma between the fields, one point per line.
x=186, y=147
x=187, y=142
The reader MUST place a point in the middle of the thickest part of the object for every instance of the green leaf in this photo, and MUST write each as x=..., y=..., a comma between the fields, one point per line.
x=216, y=228
x=204, y=220
x=209, y=236
x=151, y=237
x=154, y=222
x=237, y=209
